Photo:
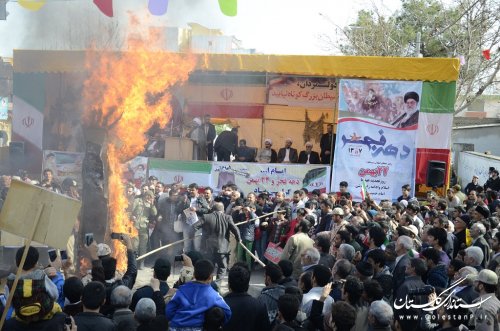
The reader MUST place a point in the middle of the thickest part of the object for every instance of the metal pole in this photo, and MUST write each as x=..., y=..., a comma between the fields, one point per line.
x=418, y=44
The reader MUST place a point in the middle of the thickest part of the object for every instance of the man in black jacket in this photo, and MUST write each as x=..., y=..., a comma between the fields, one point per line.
x=309, y=156
x=327, y=145
x=104, y=270
x=210, y=133
x=248, y=313
x=192, y=202
x=216, y=228
x=226, y=143
x=161, y=271
x=93, y=298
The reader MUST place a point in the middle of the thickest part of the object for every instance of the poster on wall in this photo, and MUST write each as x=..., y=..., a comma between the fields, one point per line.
x=4, y=108
x=260, y=177
x=136, y=171
x=308, y=92
x=64, y=165
x=376, y=136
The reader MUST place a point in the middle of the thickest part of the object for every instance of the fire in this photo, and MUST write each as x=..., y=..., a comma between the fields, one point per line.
x=126, y=93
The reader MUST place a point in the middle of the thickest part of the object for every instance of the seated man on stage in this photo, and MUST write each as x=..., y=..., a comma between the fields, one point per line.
x=245, y=153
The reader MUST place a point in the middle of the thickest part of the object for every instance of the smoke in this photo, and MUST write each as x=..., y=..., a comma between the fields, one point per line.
x=79, y=24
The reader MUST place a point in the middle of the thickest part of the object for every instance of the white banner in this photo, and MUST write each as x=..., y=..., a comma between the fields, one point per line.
x=309, y=92
x=376, y=136
x=270, y=177
x=384, y=157
x=434, y=130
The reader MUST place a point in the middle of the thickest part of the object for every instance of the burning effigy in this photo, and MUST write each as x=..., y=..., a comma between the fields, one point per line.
x=125, y=93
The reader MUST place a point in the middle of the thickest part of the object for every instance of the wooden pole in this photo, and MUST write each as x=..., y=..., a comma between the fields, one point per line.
x=166, y=246
x=183, y=240
x=253, y=256
x=21, y=264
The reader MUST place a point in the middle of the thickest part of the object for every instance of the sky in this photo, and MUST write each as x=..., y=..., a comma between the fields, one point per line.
x=269, y=26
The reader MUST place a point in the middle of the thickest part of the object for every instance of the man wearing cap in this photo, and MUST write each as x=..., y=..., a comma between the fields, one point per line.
x=327, y=145
x=267, y=154
x=488, y=306
x=461, y=223
x=309, y=156
x=287, y=154
x=143, y=211
x=473, y=185
x=338, y=224
x=493, y=183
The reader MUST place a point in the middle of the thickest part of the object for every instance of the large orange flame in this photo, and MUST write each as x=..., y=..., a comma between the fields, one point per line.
x=126, y=93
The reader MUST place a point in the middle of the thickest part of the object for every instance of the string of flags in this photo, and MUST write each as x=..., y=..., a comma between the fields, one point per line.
x=156, y=7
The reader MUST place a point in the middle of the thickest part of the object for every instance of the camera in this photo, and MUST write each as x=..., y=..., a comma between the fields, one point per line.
x=426, y=290
x=178, y=258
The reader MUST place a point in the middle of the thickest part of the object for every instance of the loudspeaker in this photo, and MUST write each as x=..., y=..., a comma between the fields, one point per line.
x=436, y=171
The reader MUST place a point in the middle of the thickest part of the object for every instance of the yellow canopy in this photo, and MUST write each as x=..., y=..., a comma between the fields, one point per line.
x=389, y=68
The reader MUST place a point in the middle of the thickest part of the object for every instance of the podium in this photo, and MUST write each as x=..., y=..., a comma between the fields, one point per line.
x=177, y=148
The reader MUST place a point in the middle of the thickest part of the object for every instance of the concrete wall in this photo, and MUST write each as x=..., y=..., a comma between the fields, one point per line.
x=483, y=138
x=472, y=163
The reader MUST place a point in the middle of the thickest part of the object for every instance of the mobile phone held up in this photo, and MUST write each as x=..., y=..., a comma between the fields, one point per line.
x=89, y=238
x=64, y=255
x=117, y=236
x=52, y=255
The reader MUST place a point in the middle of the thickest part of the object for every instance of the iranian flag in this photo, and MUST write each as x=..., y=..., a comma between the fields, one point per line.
x=363, y=189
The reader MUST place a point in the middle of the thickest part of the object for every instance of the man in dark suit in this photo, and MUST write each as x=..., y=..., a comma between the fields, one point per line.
x=226, y=144
x=465, y=290
x=216, y=228
x=403, y=245
x=309, y=156
x=209, y=129
x=287, y=154
x=327, y=145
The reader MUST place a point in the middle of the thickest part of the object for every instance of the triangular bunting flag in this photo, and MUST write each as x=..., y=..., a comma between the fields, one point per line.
x=106, y=7
x=487, y=54
x=158, y=7
x=229, y=7
x=32, y=4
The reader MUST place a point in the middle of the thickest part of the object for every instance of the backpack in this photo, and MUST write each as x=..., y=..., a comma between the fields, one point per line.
x=31, y=300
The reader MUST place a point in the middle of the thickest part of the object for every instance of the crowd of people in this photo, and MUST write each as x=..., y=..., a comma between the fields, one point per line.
x=341, y=264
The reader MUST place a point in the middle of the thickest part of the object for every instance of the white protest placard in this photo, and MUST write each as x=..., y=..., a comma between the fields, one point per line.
x=28, y=206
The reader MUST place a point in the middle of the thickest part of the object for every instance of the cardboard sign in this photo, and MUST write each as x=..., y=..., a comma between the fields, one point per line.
x=273, y=252
x=57, y=214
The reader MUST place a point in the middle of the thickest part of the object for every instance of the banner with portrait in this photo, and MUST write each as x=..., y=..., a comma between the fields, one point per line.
x=376, y=136
x=63, y=165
